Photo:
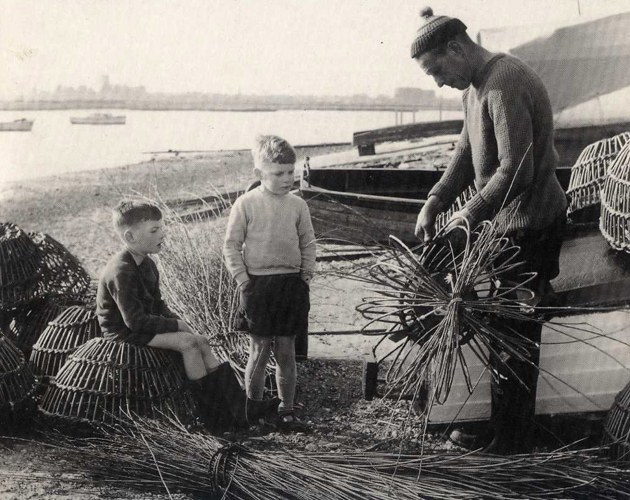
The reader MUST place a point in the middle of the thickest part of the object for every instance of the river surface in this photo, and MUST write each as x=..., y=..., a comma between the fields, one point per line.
x=55, y=146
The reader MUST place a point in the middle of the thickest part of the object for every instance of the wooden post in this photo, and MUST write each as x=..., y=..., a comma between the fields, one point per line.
x=440, y=108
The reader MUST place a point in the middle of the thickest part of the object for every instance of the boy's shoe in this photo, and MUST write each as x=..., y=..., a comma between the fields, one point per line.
x=288, y=422
x=260, y=409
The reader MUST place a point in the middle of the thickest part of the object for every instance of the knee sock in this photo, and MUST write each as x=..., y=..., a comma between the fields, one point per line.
x=255, y=377
x=286, y=379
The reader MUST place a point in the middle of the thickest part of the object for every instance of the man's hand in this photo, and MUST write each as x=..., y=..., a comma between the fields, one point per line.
x=460, y=218
x=425, y=225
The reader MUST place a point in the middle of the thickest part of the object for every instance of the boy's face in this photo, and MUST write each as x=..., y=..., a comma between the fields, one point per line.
x=145, y=237
x=276, y=178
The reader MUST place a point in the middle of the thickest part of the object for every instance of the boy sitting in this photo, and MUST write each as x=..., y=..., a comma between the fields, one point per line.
x=270, y=251
x=130, y=308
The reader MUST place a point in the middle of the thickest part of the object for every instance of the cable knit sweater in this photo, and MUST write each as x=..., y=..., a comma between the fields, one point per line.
x=506, y=108
x=269, y=234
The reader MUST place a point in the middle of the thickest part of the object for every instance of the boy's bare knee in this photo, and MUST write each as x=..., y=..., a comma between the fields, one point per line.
x=188, y=341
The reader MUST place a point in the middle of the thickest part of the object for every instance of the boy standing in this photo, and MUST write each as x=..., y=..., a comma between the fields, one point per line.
x=130, y=308
x=270, y=251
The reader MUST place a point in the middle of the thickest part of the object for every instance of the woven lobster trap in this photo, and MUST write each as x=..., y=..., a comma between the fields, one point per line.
x=63, y=335
x=617, y=427
x=590, y=170
x=20, y=266
x=29, y=322
x=105, y=381
x=17, y=386
x=62, y=273
x=614, y=221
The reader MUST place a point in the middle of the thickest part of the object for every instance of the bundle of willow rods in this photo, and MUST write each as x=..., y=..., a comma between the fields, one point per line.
x=164, y=455
x=196, y=284
x=442, y=297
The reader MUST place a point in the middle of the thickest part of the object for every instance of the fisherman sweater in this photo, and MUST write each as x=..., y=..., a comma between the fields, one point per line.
x=269, y=234
x=506, y=109
x=129, y=304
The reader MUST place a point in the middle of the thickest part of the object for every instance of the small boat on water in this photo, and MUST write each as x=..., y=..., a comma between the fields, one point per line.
x=22, y=125
x=99, y=119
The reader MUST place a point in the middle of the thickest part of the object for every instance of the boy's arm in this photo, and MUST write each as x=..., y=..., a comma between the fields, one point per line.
x=162, y=307
x=233, y=244
x=308, y=245
x=124, y=289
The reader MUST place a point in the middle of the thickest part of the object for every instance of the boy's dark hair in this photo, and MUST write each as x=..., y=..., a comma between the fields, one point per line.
x=130, y=212
x=274, y=149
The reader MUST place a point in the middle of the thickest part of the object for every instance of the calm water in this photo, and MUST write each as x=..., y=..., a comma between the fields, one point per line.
x=55, y=146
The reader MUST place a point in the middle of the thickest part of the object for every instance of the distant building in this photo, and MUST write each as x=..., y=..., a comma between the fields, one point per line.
x=413, y=95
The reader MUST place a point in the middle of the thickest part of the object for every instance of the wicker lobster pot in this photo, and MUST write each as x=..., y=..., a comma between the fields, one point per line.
x=64, y=334
x=614, y=221
x=17, y=386
x=106, y=380
x=20, y=267
x=30, y=321
x=590, y=169
x=617, y=426
x=63, y=274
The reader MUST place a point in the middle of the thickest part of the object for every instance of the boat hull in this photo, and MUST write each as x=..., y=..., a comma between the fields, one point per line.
x=17, y=126
x=116, y=120
x=364, y=206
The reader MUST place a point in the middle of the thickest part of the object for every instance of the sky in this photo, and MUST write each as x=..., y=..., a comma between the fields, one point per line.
x=319, y=47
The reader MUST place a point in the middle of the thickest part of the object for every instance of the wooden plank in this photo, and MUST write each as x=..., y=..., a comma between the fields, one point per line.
x=406, y=132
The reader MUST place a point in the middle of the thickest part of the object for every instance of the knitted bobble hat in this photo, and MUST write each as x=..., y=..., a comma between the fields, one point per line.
x=434, y=31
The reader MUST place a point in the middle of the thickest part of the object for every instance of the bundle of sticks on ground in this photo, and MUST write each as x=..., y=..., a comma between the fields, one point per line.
x=164, y=455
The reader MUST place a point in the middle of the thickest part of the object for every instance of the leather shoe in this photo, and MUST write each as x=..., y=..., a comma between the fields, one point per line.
x=466, y=440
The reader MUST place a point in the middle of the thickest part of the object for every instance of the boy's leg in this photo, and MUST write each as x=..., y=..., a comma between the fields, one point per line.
x=209, y=359
x=259, y=352
x=186, y=344
x=284, y=351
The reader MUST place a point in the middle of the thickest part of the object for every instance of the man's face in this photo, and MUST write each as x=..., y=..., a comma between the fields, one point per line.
x=146, y=237
x=448, y=68
x=276, y=178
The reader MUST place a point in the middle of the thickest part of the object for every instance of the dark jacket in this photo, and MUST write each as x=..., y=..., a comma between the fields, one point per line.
x=128, y=301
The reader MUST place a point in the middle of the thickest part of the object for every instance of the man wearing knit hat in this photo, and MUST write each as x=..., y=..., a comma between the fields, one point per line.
x=505, y=148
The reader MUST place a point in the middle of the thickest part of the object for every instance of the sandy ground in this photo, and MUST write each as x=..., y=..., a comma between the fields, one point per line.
x=74, y=209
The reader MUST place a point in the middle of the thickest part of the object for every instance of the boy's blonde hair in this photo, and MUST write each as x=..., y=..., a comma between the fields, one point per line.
x=272, y=149
x=130, y=212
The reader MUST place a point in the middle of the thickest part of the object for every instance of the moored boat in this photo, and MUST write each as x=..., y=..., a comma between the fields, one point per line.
x=22, y=125
x=99, y=119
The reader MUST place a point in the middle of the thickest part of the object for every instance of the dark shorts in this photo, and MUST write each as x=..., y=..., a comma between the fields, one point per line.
x=277, y=304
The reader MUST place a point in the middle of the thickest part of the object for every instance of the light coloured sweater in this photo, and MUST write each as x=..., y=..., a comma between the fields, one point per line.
x=506, y=108
x=269, y=234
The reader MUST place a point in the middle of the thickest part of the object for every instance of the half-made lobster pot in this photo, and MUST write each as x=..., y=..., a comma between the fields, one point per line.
x=17, y=386
x=30, y=321
x=105, y=381
x=614, y=221
x=62, y=273
x=20, y=266
x=617, y=427
x=63, y=335
x=590, y=169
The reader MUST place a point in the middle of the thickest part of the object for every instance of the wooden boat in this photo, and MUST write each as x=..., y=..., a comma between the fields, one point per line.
x=99, y=119
x=363, y=199
x=22, y=125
